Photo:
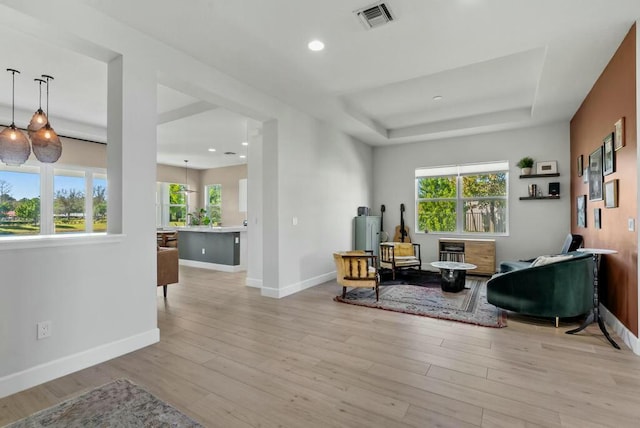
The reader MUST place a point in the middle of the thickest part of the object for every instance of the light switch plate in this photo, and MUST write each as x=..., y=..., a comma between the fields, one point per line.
x=632, y=224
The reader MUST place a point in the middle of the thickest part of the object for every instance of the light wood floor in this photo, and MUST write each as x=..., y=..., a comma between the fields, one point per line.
x=231, y=358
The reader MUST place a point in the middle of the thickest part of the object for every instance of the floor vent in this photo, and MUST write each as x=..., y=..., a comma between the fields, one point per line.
x=375, y=15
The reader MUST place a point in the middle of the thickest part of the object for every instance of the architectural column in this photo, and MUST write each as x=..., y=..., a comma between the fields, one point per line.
x=270, y=206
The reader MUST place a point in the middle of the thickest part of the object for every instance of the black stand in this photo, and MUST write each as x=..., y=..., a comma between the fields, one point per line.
x=594, y=314
x=452, y=280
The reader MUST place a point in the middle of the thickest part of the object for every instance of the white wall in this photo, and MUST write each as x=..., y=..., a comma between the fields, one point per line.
x=101, y=296
x=254, y=210
x=536, y=227
x=323, y=176
x=98, y=292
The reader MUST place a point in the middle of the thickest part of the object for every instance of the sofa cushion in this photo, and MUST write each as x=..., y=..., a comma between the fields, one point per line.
x=547, y=260
x=510, y=266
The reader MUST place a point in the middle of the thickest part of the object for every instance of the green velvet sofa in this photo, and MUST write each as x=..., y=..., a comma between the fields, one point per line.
x=557, y=290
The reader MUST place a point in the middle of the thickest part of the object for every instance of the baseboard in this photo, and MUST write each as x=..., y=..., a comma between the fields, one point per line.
x=211, y=266
x=253, y=282
x=42, y=373
x=621, y=330
x=278, y=293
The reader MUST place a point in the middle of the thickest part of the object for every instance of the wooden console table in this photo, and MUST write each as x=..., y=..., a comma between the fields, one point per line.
x=480, y=252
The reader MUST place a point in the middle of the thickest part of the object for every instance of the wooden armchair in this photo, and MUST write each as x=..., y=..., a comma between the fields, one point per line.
x=400, y=255
x=357, y=269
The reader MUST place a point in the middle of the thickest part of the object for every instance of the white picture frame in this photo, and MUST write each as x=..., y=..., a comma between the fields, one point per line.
x=546, y=167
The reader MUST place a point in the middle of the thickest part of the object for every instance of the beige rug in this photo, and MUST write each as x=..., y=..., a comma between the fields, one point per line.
x=119, y=404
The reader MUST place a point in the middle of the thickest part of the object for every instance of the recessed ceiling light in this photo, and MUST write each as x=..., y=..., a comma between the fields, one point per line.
x=316, y=45
x=212, y=150
x=242, y=156
x=244, y=143
x=437, y=98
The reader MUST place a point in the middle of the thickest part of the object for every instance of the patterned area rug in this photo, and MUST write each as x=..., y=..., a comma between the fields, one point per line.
x=118, y=404
x=468, y=306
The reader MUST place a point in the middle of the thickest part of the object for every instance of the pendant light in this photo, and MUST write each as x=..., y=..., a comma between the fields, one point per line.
x=39, y=119
x=14, y=145
x=46, y=143
x=186, y=176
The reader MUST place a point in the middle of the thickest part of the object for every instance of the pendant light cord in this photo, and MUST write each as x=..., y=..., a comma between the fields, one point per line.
x=47, y=78
x=40, y=82
x=13, y=95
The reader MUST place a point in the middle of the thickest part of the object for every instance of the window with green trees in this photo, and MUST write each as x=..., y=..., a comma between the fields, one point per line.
x=468, y=198
x=27, y=208
x=171, y=204
x=214, y=203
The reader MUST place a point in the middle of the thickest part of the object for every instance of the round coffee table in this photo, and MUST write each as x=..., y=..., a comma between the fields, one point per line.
x=454, y=275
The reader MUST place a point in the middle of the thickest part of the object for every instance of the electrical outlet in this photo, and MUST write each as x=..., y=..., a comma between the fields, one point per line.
x=203, y=251
x=44, y=329
x=631, y=223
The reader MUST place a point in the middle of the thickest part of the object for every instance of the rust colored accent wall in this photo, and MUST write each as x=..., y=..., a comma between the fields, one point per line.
x=613, y=96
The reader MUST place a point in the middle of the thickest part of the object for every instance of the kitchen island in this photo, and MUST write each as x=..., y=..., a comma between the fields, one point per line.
x=218, y=248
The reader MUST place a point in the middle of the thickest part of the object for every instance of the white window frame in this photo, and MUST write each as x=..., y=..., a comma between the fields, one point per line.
x=207, y=205
x=47, y=196
x=460, y=171
x=163, y=206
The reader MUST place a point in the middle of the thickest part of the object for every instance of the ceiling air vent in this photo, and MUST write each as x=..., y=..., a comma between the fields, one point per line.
x=375, y=15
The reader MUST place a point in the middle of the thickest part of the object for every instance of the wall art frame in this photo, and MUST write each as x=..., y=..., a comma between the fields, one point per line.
x=619, y=134
x=595, y=175
x=581, y=211
x=608, y=155
x=546, y=167
x=611, y=194
x=597, y=218
x=580, y=165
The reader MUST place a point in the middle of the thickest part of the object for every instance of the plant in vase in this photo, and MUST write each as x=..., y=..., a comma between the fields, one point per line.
x=525, y=164
x=198, y=218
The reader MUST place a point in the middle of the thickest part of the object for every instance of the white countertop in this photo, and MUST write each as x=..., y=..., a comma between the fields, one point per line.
x=208, y=229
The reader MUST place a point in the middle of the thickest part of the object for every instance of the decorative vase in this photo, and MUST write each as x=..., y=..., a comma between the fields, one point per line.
x=526, y=171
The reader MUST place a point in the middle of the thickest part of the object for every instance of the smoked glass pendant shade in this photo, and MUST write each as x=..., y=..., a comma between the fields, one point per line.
x=14, y=146
x=38, y=120
x=46, y=144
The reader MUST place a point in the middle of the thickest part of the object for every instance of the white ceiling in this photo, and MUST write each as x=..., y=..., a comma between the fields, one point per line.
x=498, y=64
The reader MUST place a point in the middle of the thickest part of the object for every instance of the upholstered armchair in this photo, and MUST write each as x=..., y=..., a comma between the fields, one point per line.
x=357, y=269
x=167, y=265
x=552, y=286
x=167, y=239
x=400, y=255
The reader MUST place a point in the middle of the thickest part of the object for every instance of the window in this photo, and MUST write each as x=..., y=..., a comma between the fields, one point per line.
x=463, y=199
x=63, y=209
x=171, y=204
x=19, y=200
x=100, y=203
x=213, y=203
x=69, y=201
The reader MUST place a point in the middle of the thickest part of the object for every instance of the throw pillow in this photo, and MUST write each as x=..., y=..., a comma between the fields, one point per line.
x=547, y=260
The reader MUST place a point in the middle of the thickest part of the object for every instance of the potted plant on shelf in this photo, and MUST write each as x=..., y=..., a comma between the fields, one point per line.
x=525, y=164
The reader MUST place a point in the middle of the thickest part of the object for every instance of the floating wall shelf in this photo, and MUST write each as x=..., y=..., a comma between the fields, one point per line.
x=555, y=174
x=528, y=198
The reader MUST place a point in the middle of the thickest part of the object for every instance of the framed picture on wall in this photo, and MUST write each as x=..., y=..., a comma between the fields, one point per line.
x=611, y=194
x=581, y=211
x=579, y=165
x=608, y=156
x=595, y=175
x=546, y=167
x=596, y=218
x=619, y=133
